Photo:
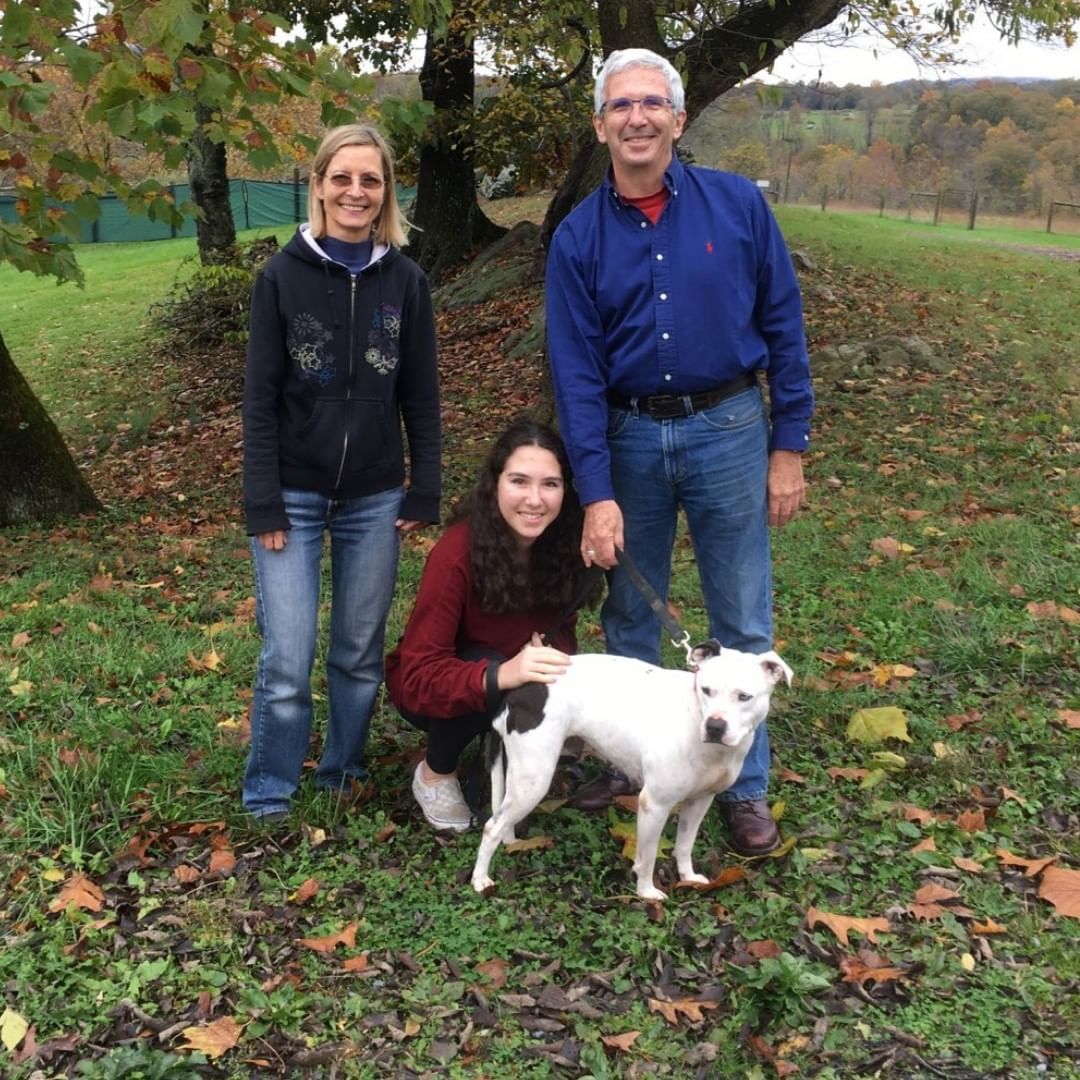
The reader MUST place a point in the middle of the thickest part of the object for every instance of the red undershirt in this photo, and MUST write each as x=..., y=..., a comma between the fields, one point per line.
x=651, y=205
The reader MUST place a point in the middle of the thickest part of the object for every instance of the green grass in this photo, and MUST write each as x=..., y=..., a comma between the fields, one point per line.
x=127, y=648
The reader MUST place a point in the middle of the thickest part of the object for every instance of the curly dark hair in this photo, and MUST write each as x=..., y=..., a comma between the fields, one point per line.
x=555, y=568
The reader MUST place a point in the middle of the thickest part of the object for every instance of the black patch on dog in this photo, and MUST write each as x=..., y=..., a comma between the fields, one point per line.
x=525, y=707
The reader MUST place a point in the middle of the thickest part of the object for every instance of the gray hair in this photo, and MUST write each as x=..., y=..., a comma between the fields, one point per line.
x=622, y=59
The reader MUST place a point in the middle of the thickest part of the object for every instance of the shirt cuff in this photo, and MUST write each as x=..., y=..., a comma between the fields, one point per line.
x=493, y=696
x=790, y=436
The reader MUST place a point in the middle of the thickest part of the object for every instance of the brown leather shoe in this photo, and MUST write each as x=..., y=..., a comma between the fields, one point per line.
x=751, y=829
x=600, y=792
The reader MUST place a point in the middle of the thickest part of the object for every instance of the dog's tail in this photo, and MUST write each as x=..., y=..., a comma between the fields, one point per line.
x=495, y=758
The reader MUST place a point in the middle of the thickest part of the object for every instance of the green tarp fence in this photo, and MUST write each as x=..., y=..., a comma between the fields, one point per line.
x=255, y=203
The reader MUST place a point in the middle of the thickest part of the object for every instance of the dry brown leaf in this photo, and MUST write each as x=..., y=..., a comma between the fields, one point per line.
x=971, y=821
x=356, y=963
x=913, y=515
x=346, y=937
x=727, y=876
x=959, y=721
x=212, y=1039
x=621, y=1042
x=860, y=969
x=494, y=971
x=886, y=546
x=929, y=844
x=20, y=639
x=305, y=892
x=930, y=900
x=531, y=844
x=1008, y=793
x=790, y=777
x=79, y=891
x=186, y=874
x=848, y=774
x=1062, y=888
x=688, y=1007
x=759, y=950
x=222, y=861
x=842, y=925
x=385, y=833
x=1069, y=717
x=1069, y=615
x=1032, y=867
x=970, y=865
x=988, y=927
x=627, y=802
x=918, y=815
x=1047, y=609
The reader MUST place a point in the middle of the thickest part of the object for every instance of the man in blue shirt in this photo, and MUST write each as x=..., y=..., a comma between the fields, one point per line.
x=668, y=288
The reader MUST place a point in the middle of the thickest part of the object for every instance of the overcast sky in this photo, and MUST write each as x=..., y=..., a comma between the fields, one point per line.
x=982, y=47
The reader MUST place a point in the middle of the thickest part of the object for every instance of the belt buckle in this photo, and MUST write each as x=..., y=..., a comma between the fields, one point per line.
x=666, y=407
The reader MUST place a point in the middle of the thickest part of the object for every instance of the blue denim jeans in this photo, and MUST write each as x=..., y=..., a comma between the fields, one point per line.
x=363, y=564
x=714, y=466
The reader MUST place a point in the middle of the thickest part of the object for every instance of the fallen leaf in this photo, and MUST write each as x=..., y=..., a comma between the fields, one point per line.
x=867, y=968
x=20, y=640
x=959, y=721
x=79, y=891
x=842, y=925
x=970, y=865
x=1047, y=609
x=1032, y=867
x=533, y=843
x=209, y=661
x=385, y=833
x=1068, y=614
x=621, y=1042
x=886, y=546
x=913, y=515
x=929, y=844
x=494, y=971
x=346, y=937
x=305, y=892
x=222, y=859
x=1008, y=793
x=988, y=927
x=186, y=874
x=356, y=963
x=13, y=1028
x=1070, y=718
x=789, y=777
x=728, y=876
x=918, y=815
x=688, y=1007
x=930, y=902
x=760, y=950
x=967, y=962
x=971, y=821
x=1062, y=888
x=212, y=1039
x=847, y=774
x=876, y=725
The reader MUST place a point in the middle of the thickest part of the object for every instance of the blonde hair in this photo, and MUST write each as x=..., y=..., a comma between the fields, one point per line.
x=390, y=227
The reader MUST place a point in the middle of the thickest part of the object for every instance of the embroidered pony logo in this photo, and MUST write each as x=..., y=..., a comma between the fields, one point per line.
x=384, y=334
x=307, y=342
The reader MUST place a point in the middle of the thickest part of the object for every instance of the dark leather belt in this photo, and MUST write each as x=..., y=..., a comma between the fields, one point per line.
x=670, y=406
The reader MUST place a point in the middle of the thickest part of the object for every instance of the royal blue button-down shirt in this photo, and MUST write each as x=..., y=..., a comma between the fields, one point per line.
x=705, y=294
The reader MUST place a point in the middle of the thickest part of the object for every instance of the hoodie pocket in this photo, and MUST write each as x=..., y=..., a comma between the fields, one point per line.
x=339, y=436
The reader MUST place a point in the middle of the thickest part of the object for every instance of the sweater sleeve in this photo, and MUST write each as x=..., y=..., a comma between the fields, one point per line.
x=267, y=364
x=418, y=395
x=424, y=675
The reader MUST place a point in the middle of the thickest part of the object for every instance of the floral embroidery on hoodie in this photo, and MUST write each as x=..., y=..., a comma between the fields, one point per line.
x=384, y=335
x=306, y=341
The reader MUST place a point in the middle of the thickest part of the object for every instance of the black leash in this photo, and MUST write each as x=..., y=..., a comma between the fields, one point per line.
x=680, y=638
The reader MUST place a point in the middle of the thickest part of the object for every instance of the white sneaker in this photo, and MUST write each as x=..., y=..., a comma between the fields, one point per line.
x=442, y=802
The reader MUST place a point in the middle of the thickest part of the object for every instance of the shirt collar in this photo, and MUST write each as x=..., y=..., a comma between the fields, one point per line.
x=673, y=177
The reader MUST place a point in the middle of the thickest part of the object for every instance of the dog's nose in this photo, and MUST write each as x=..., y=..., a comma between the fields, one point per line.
x=715, y=729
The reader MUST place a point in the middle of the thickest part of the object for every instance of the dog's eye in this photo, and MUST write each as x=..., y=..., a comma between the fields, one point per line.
x=744, y=696
x=709, y=691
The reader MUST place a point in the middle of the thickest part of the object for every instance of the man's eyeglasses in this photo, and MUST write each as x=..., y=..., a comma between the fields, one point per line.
x=343, y=181
x=650, y=103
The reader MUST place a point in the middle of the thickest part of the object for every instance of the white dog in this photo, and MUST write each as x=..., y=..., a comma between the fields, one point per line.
x=683, y=735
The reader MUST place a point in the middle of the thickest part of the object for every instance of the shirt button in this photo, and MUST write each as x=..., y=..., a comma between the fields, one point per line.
x=663, y=296
x=643, y=224
x=667, y=378
x=659, y=258
x=665, y=336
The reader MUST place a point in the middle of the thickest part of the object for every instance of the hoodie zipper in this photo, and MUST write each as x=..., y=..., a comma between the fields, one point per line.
x=349, y=383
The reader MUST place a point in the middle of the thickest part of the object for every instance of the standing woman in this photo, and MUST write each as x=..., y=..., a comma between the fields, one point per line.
x=506, y=572
x=341, y=353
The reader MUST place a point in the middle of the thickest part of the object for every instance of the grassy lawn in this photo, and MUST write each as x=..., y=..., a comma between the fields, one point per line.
x=921, y=917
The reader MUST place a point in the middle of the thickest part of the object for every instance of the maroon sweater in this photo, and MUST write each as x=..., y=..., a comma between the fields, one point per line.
x=424, y=673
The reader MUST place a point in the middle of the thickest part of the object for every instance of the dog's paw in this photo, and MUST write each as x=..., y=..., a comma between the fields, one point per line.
x=651, y=892
x=481, y=883
x=697, y=879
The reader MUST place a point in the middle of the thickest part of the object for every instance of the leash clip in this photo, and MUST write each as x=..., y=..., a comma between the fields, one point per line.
x=684, y=644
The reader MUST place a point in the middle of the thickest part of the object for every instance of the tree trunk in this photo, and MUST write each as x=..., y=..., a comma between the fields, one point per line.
x=39, y=481
x=448, y=219
x=208, y=174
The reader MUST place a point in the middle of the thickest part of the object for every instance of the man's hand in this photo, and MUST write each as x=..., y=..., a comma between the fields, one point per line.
x=787, y=489
x=273, y=541
x=602, y=533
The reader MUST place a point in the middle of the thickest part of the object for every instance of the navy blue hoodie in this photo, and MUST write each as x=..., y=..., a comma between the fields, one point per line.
x=335, y=363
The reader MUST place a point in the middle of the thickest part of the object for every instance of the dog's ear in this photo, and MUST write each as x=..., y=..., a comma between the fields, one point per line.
x=700, y=653
x=775, y=669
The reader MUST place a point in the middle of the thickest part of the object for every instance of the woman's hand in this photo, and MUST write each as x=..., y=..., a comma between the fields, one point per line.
x=536, y=662
x=272, y=541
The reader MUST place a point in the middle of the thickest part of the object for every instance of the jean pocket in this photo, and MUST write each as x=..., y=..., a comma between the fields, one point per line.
x=736, y=412
x=617, y=419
